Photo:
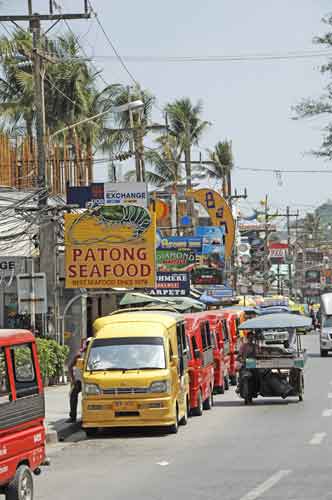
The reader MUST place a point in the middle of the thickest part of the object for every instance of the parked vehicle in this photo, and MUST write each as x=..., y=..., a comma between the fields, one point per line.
x=234, y=319
x=221, y=352
x=135, y=372
x=326, y=324
x=22, y=413
x=201, y=362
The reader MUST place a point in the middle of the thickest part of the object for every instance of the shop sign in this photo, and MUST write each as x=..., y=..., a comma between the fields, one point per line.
x=126, y=193
x=219, y=212
x=312, y=276
x=175, y=260
x=171, y=285
x=206, y=276
x=110, y=246
x=193, y=243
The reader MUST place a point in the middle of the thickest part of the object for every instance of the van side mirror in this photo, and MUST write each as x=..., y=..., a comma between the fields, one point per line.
x=80, y=363
x=197, y=354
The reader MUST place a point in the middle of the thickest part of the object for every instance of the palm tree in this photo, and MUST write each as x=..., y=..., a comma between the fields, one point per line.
x=222, y=156
x=132, y=125
x=188, y=127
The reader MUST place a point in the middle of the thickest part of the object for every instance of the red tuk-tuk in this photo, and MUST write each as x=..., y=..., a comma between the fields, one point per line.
x=221, y=350
x=22, y=412
x=232, y=320
x=200, y=364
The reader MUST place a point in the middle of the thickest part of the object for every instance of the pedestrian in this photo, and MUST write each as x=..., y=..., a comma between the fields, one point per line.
x=313, y=316
x=75, y=376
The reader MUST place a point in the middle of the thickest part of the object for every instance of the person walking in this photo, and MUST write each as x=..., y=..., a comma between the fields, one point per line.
x=75, y=376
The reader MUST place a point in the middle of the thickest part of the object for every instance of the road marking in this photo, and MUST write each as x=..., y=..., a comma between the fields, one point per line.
x=329, y=395
x=318, y=438
x=327, y=413
x=163, y=463
x=267, y=485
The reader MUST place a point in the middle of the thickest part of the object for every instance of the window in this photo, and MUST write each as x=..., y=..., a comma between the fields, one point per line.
x=208, y=334
x=203, y=335
x=24, y=370
x=225, y=330
x=4, y=385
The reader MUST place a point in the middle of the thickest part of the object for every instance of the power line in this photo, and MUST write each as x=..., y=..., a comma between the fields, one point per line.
x=274, y=170
x=116, y=52
x=304, y=54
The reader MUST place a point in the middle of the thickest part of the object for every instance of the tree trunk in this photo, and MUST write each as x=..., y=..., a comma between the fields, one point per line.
x=229, y=187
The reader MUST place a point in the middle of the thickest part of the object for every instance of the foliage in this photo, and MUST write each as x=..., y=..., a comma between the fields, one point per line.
x=322, y=106
x=222, y=156
x=52, y=357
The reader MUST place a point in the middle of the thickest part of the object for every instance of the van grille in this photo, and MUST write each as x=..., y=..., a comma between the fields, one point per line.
x=126, y=390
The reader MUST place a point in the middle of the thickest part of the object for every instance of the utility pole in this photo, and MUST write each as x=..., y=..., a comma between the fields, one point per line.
x=47, y=231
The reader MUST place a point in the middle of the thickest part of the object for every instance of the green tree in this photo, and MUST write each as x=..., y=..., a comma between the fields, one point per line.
x=188, y=127
x=222, y=156
x=321, y=107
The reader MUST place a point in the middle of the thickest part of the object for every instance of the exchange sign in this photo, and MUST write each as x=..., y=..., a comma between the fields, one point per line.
x=110, y=246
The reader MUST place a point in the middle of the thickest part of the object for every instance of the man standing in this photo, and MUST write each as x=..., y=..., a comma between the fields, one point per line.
x=75, y=376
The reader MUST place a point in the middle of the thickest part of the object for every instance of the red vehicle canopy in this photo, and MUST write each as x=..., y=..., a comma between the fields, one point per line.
x=13, y=337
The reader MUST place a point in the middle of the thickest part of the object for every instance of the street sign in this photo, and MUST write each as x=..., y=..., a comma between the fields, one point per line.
x=32, y=293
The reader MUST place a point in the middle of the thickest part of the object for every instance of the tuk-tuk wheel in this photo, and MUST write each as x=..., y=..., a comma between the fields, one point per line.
x=173, y=429
x=21, y=487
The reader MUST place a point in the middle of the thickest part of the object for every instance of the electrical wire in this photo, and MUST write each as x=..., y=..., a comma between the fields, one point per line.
x=274, y=170
x=300, y=54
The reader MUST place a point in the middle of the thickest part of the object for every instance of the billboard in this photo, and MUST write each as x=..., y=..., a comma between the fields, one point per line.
x=110, y=246
x=171, y=285
x=175, y=260
x=99, y=193
x=278, y=252
x=219, y=212
x=193, y=243
x=126, y=193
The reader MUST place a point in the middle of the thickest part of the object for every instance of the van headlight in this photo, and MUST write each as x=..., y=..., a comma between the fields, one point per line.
x=91, y=389
x=160, y=386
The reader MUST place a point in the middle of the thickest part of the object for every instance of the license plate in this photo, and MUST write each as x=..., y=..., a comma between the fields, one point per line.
x=125, y=405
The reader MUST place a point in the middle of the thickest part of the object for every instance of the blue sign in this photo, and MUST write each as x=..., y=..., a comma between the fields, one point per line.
x=213, y=240
x=193, y=243
x=83, y=196
x=219, y=291
x=186, y=220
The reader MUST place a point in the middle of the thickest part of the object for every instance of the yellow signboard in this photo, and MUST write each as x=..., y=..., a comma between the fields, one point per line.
x=111, y=246
x=219, y=212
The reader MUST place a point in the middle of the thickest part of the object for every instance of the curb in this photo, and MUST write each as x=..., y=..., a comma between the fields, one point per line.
x=54, y=436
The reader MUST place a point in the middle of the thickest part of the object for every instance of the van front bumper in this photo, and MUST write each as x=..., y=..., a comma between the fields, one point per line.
x=104, y=412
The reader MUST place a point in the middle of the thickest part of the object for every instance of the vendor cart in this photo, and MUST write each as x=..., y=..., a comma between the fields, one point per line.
x=273, y=363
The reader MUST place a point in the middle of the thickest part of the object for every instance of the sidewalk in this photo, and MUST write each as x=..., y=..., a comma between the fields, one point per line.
x=57, y=412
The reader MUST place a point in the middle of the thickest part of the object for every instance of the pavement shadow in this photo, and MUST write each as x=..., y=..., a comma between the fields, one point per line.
x=256, y=403
x=119, y=433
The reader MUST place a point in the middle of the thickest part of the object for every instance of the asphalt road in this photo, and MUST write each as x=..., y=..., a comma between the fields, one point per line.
x=272, y=450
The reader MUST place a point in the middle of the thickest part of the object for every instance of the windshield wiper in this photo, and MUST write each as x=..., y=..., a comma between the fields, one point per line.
x=149, y=368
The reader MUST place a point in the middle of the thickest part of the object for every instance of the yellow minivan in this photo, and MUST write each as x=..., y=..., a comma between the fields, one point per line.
x=135, y=372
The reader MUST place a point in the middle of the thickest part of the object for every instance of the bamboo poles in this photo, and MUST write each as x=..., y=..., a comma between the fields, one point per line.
x=66, y=164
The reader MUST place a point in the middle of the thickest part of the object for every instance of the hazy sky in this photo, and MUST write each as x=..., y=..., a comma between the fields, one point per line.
x=248, y=102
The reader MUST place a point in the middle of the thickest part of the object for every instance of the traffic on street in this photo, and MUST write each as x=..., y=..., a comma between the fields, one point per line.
x=165, y=250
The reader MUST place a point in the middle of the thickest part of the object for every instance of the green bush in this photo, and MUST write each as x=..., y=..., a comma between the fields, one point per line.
x=52, y=357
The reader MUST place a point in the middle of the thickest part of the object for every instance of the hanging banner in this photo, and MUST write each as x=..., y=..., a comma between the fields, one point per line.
x=219, y=212
x=110, y=246
x=171, y=285
x=193, y=243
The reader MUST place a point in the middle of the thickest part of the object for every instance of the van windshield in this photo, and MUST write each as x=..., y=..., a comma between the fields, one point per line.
x=128, y=353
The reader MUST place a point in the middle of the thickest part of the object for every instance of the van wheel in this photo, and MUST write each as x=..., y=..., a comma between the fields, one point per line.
x=184, y=419
x=208, y=403
x=91, y=431
x=21, y=487
x=198, y=411
x=173, y=429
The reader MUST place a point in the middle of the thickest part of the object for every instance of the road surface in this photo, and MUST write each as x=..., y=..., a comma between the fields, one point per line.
x=272, y=450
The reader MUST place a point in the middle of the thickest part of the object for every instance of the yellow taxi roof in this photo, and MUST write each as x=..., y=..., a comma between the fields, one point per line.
x=150, y=323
